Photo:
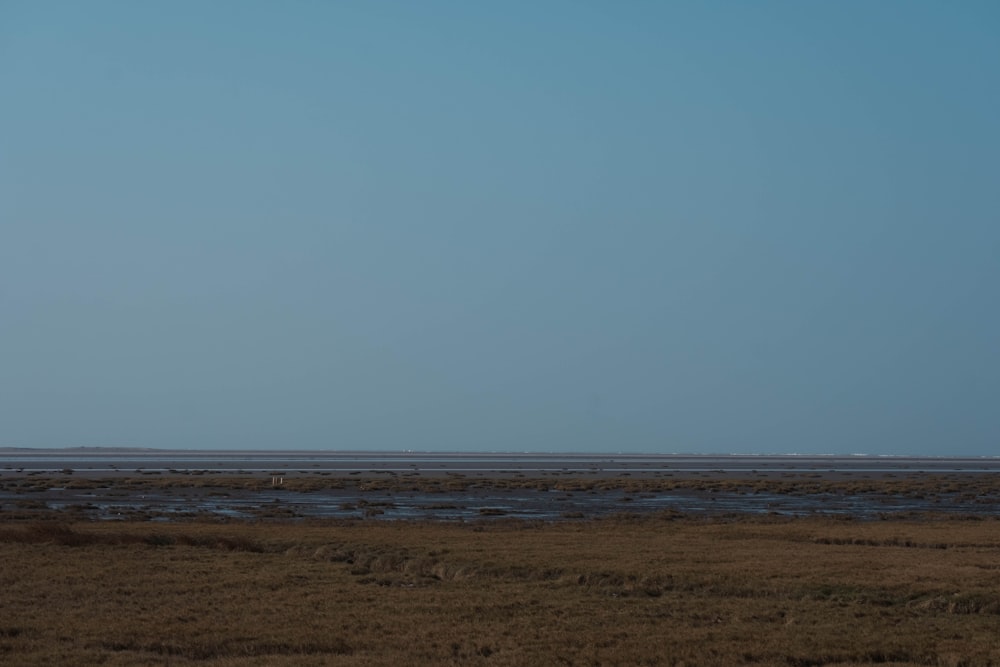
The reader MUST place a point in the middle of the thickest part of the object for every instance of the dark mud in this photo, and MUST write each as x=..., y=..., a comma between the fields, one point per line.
x=459, y=498
x=166, y=485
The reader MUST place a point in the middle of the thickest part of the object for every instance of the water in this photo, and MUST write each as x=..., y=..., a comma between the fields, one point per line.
x=110, y=461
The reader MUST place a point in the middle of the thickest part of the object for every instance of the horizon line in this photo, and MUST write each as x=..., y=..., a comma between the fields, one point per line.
x=452, y=452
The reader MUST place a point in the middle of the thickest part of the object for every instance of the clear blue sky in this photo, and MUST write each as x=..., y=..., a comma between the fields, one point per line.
x=545, y=226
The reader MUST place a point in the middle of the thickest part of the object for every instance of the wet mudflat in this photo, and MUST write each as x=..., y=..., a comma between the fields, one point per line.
x=247, y=485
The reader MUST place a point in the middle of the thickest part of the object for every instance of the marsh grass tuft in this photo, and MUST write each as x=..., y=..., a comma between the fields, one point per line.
x=63, y=534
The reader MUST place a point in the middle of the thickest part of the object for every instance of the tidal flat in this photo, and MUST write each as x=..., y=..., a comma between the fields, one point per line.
x=85, y=484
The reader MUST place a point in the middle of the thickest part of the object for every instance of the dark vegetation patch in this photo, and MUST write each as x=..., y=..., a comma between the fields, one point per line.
x=53, y=532
x=214, y=651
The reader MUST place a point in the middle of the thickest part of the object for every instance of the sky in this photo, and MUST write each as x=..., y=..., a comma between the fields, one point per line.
x=658, y=227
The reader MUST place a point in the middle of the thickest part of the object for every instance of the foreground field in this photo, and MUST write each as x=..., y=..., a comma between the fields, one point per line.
x=625, y=591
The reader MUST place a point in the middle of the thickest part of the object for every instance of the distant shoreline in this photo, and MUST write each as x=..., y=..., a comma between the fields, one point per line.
x=381, y=453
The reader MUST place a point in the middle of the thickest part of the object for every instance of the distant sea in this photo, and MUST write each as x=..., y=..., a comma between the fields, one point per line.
x=99, y=460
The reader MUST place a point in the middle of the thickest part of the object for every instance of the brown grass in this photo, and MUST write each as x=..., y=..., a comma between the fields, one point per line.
x=626, y=591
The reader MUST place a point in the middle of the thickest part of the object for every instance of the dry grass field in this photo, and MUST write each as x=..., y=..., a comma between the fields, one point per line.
x=657, y=590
